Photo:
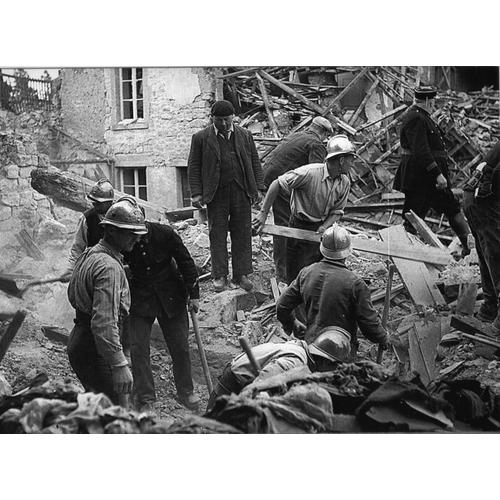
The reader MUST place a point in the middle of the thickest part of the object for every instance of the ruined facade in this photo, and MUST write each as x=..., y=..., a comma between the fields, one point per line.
x=142, y=119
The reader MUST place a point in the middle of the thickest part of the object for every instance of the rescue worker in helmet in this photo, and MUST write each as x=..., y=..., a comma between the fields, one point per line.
x=99, y=292
x=331, y=295
x=88, y=230
x=332, y=345
x=318, y=195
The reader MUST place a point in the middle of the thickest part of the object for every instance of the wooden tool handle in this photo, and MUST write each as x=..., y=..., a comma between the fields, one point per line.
x=248, y=351
x=201, y=350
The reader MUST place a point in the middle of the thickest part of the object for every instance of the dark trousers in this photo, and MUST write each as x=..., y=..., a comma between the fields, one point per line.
x=281, y=215
x=230, y=210
x=175, y=332
x=299, y=253
x=484, y=221
x=91, y=369
x=226, y=384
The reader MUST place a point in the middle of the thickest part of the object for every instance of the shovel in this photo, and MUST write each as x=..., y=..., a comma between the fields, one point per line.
x=9, y=286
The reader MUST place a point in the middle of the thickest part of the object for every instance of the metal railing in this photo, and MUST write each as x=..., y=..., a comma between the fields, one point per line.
x=19, y=93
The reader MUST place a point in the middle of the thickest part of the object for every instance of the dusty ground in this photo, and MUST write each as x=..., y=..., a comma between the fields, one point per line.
x=31, y=351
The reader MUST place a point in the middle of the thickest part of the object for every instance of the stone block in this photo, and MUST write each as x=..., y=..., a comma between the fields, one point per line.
x=51, y=231
x=8, y=185
x=25, y=172
x=202, y=241
x=12, y=171
x=5, y=212
x=11, y=199
x=223, y=306
x=25, y=160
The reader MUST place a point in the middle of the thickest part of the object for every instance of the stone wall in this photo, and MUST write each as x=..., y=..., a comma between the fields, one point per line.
x=177, y=103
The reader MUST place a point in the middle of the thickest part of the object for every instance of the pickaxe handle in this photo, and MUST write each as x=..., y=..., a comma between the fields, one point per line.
x=201, y=350
x=387, y=303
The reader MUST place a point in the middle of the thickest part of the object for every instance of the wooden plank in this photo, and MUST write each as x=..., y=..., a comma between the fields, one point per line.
x=239, y=73
x=423, y=339
x=10, y=332
x=265, y=98
x=415, y=275
x=275, y=289
x=306, y=102
x=472, y=326
x=240, y=316
x=396, y=195
x=385, y=248
x=380, y=294
x=355, y=116
x=27, y=242
x=393, y=112
x=424, y=231
x=348, y=87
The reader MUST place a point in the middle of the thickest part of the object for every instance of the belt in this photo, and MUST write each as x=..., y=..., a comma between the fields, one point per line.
x=436, y=154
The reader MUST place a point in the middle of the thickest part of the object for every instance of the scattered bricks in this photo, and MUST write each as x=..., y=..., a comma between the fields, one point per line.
x=12, y=171
x=202, y=241
x=5, y=213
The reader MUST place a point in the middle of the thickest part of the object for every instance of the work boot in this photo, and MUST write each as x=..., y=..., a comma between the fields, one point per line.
x=220, y=283
x=191, y=401
x=243, y=282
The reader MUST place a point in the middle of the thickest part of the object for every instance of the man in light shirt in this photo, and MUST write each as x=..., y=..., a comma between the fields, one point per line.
x=318, y=196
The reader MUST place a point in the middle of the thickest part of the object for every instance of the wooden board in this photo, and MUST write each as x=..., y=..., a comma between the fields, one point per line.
x=424, y=231
x=388, y=248
x=415, y=275
x=423, y=339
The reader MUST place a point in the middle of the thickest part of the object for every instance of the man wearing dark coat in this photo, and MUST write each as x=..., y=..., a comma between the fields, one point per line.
x=163, y=281
x=225, y=173
x=423, y=172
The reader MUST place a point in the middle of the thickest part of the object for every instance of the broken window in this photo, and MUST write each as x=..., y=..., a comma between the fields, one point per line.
x=131, y=94
x=133, y=182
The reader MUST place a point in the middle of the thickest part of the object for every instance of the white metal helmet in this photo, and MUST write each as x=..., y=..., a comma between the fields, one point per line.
x=333, y=343
x=339, y=145
x=335, y=243
x=126, y=214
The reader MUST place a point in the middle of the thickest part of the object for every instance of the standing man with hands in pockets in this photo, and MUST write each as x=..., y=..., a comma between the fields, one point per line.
x=225, y=173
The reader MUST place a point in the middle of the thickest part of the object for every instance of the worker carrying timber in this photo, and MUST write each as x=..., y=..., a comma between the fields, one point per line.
x=332, y=345
x=99, y=292
x=89, y=231
x=482, y=208
x=225, y=173
x=298, y=149
x=332, y=295
x=423, y=172
x=318, y=195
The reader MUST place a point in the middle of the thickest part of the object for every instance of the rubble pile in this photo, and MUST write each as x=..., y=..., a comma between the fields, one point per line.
x=273, y=102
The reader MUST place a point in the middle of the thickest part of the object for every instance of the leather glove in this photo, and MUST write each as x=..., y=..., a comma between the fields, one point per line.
x=122, y=379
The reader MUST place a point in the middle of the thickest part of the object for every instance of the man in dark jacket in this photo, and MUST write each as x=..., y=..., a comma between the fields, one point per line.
x=298, y=149
x=224, y=173
x=163, y=280
x=332, y=295
x=423, y=172
x=483, y=214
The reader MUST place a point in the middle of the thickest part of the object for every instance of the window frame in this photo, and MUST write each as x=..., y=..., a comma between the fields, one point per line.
x=121, y=123
x=121, y=169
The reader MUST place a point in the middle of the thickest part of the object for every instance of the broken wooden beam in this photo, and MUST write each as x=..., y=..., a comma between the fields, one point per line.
x=387, y=248
x=472, y=326
x=27, y=242
x=424, y=231
x=355, y=116
x=347, y=88
x=380, y=294
x=306, y=102
x=265, y=98
x=10, y=332
x=70, y=190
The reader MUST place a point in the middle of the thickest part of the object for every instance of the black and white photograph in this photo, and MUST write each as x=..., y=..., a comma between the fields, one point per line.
x=240, y=247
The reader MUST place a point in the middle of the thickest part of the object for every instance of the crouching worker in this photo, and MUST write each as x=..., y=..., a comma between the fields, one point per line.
x=99, y=292
x=332, y=295
x=330, y=346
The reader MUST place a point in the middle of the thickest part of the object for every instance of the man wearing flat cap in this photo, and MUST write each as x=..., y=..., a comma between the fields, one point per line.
x=225, y=173
x=423, y=172
x=298, y=149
